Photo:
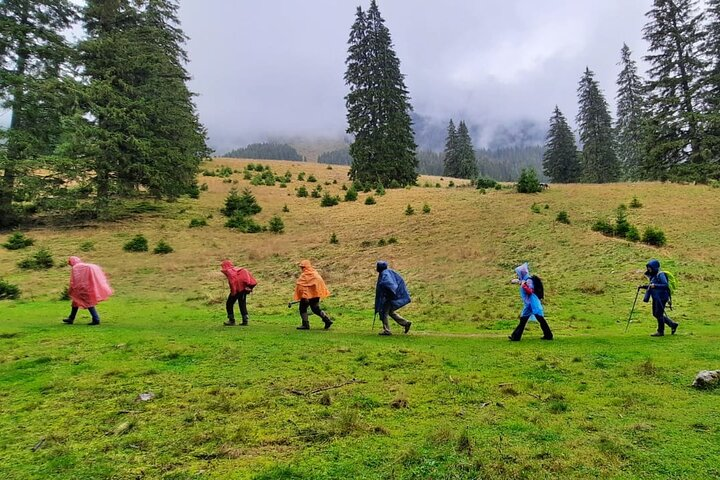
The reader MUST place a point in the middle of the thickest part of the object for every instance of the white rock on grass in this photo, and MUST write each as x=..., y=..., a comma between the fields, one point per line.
x=707, y=379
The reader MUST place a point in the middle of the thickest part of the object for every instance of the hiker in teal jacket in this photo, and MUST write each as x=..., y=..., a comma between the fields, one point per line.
x=659, y=290
x=531, y=305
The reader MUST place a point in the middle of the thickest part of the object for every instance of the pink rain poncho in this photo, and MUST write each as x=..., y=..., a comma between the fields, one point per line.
x=239, y=279
x=88, y=284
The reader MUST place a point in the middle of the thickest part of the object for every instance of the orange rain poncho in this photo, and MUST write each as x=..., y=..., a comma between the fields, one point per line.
x=239, y=279
x=88, y=284
x=310, y=284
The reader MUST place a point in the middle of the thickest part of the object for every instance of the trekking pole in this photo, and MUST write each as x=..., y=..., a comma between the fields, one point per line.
x=632, y=310
x=290, y=304
x=374, y=317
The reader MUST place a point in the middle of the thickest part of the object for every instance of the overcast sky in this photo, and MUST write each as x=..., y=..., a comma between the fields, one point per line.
x=275, y=67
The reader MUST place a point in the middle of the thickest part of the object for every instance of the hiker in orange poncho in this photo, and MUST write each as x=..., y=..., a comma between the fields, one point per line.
x=241, y=283
x=309, y=289
x=88, y=287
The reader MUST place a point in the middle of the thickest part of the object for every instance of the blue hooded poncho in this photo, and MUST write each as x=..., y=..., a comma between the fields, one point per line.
x=661, y=292
x=532, y=303
x=391, y=288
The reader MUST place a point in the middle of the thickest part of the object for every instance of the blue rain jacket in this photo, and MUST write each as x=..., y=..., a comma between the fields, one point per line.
x=532, y=304
x=390, y=288
x=661, y=292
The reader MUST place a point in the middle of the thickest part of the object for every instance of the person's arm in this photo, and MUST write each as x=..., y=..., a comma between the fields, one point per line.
x=660, y=282
x=527, y=286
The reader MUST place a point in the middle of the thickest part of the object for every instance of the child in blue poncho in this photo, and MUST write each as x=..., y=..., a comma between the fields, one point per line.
x=532, y=305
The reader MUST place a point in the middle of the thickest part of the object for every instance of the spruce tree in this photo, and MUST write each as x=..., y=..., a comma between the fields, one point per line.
x=465, y=153
x=711, y=82
x=378, y=106
x=600, y=163
x=451, y=162
x=560, y=159
x=33, y=57
x=630, y=122
x=142, y=131
x=673, y=32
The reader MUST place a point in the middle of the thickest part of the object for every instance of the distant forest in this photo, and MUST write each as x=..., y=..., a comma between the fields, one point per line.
x=502, y=164
x=267, y=151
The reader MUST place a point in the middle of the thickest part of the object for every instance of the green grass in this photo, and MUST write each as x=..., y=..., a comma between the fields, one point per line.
x=452, y=400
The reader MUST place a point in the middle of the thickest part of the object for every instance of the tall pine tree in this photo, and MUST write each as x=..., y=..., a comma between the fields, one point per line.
x=142, y=131
x=467, y=165
x=451, y=161
x=711, y=83
x=600, y=163
x=33, y=56
x=561, y=162
x=673, y=32
x=378, y=105
x=630, y=125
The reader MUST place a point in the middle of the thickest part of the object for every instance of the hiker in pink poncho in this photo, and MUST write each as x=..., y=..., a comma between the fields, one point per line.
x=241, y=282
x=88, y=287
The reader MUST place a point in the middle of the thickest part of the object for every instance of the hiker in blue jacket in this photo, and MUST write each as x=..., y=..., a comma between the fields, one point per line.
x=390, y=295
x=659, y=290
x=532, y=305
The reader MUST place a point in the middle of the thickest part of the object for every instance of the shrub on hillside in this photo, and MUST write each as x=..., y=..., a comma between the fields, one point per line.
x=333, y=239
x=632, y=234
x=563, y=217
x=162, y=248
x=18, y=241
x=370, y=200
x=137, y=244
x=302, y=192
x=301, y=177
x=8, y=291
x=654, y=236
x=198, y=222
x=351, y=195
x=42, y=260
x=485, y=182
x=603, y=226
x=380, y=190
x=285, y=209
x=392, y=241
x=243, y=224
x=426, y=208
x=316, y=192
x=87, y=246
x=311, y=178
x=535, y=208
x=276, y=225
x=329, y=200
x=409, y=210
x=622, y=225
x=528, y=182
x=244, y=204
x=635, y=203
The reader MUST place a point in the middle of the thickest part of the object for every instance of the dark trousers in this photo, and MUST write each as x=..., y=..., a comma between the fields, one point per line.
x=517, y=334
x=658, y=309
x=314, y=304
x=93, y=314
x=389, y=312
x=241, y=298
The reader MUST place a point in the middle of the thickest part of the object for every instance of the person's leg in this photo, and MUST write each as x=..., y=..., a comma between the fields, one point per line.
x=400, y=320
x=94, y=315
x=243, y=308
x=304, y=304
x=229, y=308
x=547, y=333
x=524, y=317
x=71, y=318
x=315, y=306
x=384, y=319
x=669, y=321
x=658, y=313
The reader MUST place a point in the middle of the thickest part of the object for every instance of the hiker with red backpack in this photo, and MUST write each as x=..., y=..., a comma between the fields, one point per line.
x=241, y=283
x=658, y=289
x=531, y=293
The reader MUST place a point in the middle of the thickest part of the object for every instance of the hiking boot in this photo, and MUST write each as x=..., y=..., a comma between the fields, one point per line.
x=244, y=322
x=230, y=322
x=304, y=326
x=657, y=334
x=546, y=338
x=305, y=322
x=674, y=329
x=94, y=322
x=328, y=324
x=513, y=339
x=407, y=327
x=385, y=333
x=68, y=321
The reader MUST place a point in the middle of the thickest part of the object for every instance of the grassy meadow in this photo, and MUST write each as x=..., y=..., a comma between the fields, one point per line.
x=451, y=400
